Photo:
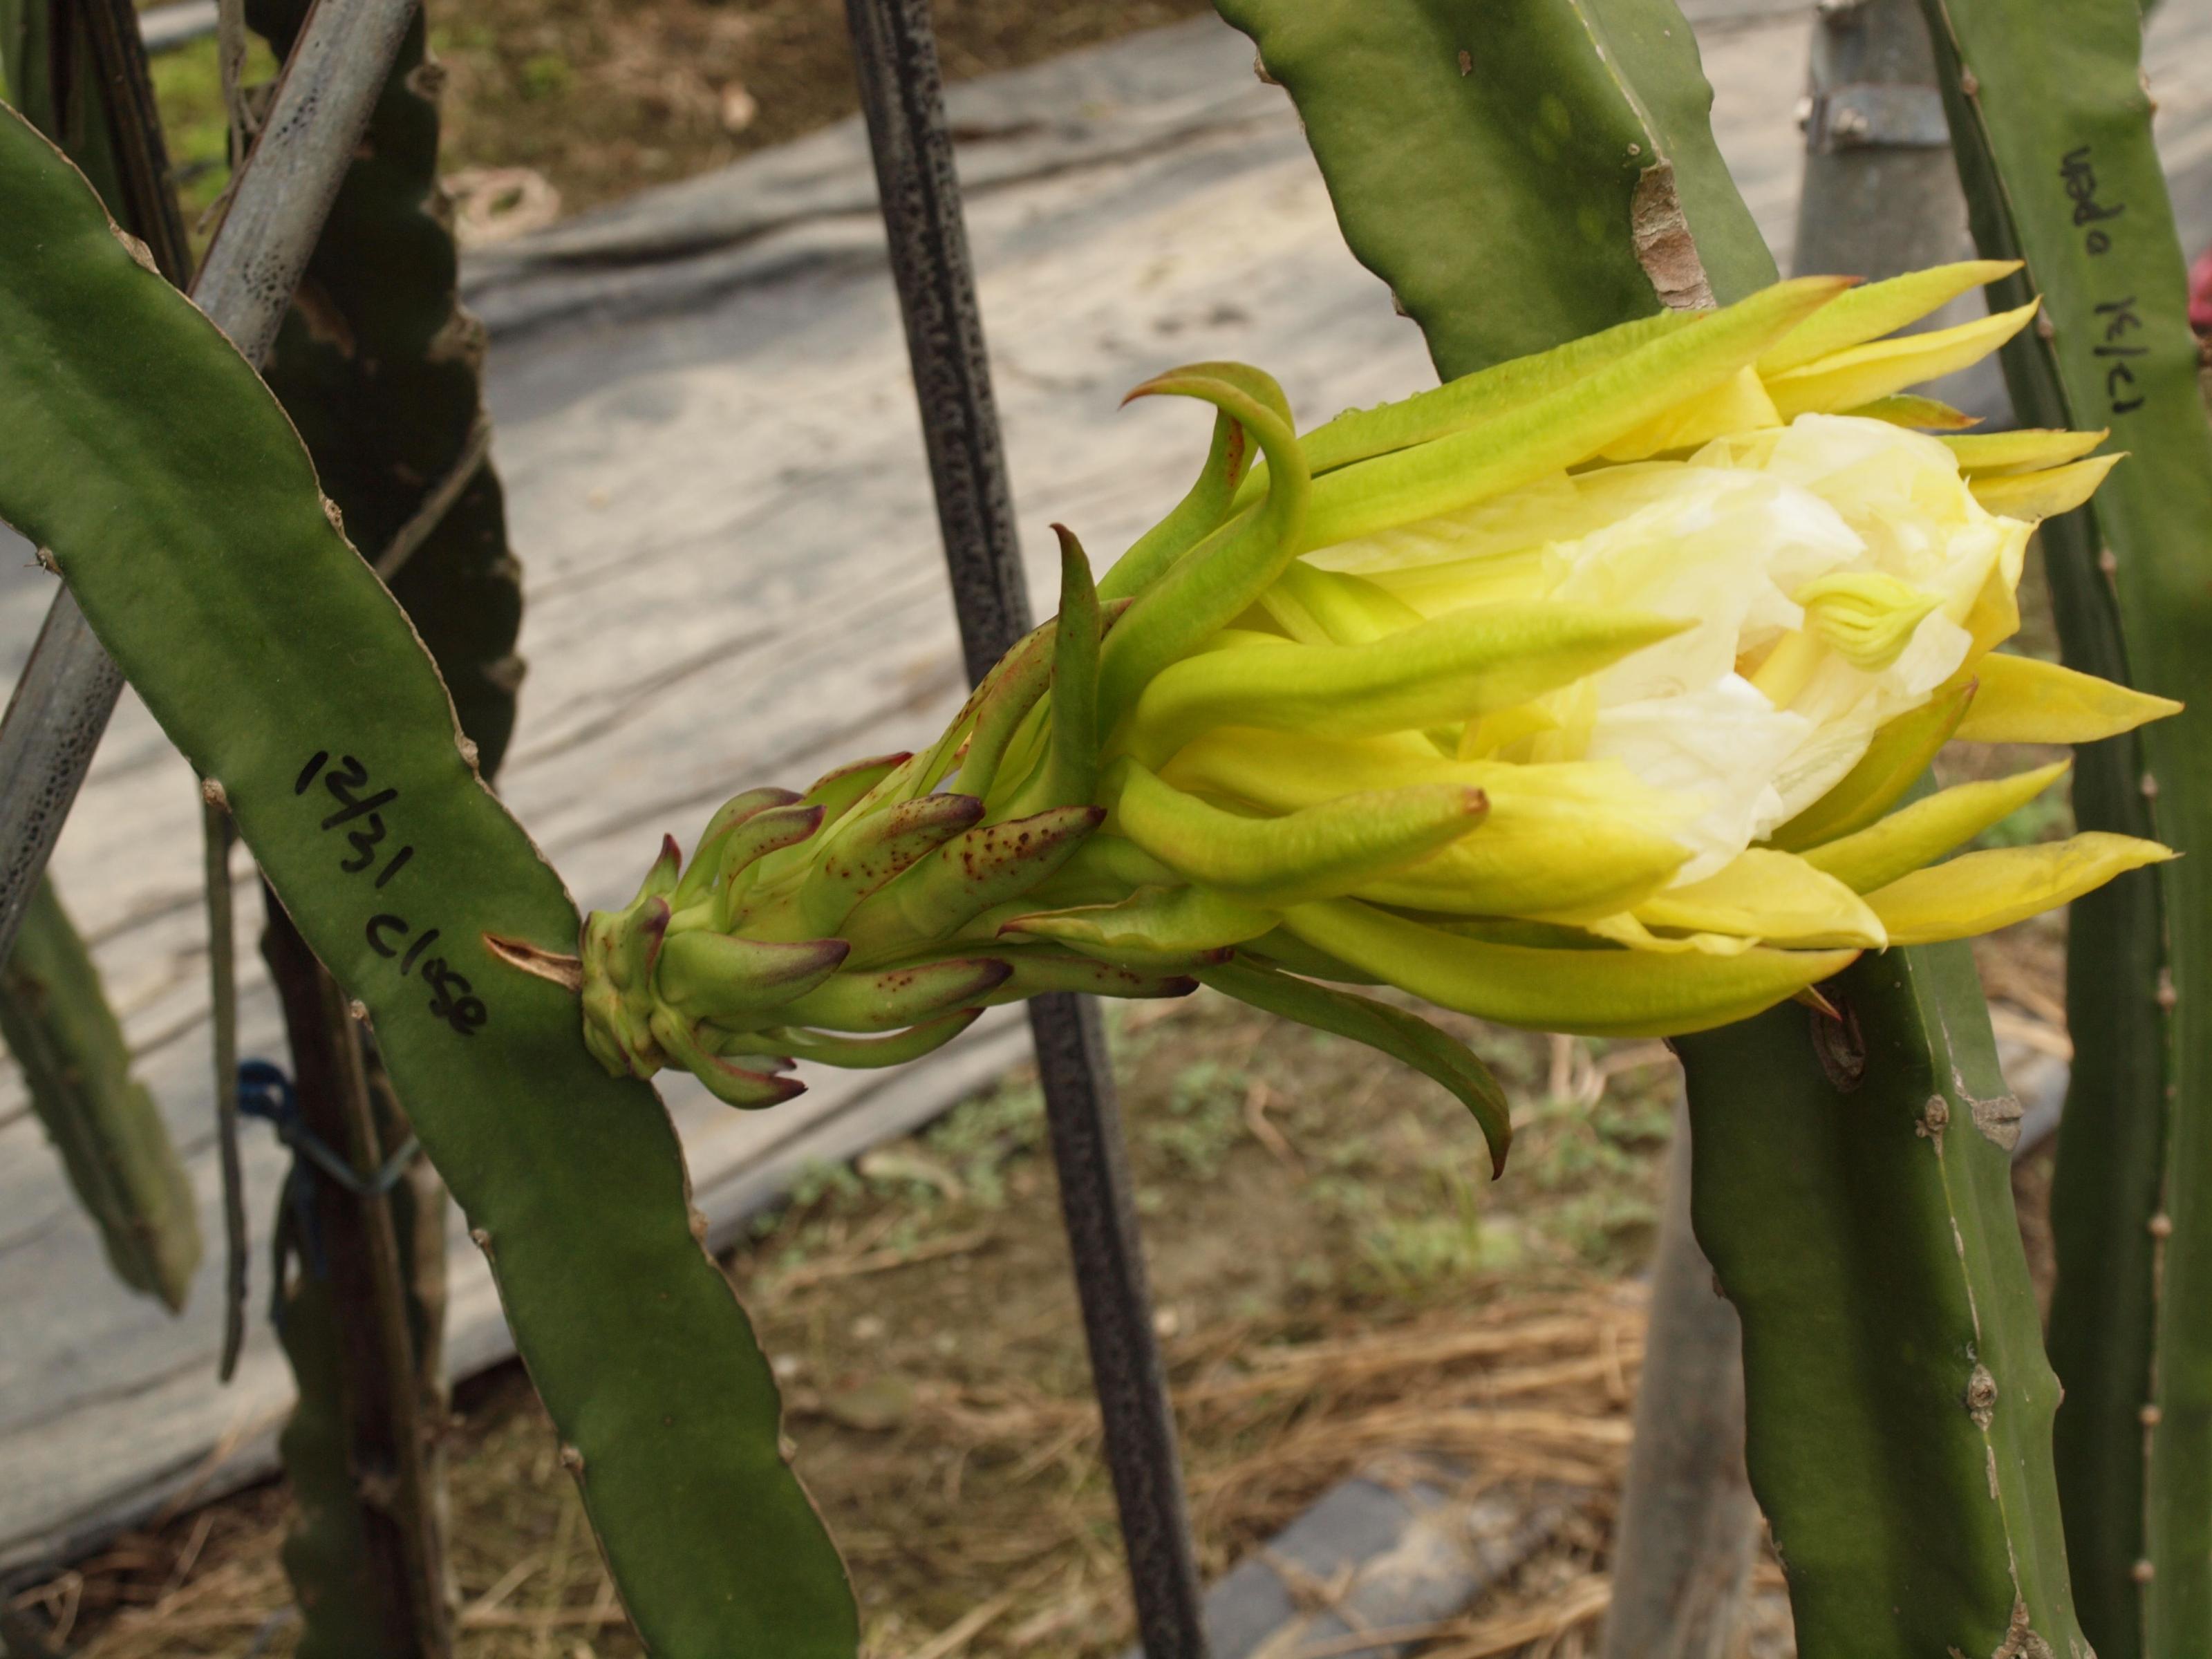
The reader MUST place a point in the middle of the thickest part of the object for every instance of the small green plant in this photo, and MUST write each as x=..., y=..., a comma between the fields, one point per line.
x=545, y=75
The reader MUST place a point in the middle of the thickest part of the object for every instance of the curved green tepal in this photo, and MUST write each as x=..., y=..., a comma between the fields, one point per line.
x=2052, y=128
x=1521, y=175
x=184, y=515
x=112, y=1143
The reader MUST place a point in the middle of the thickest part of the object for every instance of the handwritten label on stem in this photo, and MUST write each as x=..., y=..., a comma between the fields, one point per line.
x=360, y=814
x=2077, y=176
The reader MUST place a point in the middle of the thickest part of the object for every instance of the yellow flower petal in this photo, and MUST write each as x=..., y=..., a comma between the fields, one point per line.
x=2023, y=700
x=1625, y=929
x=1461, y=665
x=2034, y=495
x=1766, y=895
x=1845, y=380
x=1993, y=616
x=1165, y=923
x=1878, y=309
x=1919, y=833
x=1923, y=414
x=1597, y=993
x=1316, y=852
x=1569, y=837
x=1977, y=892
x=1737, y=404
x=1894, y=761
x=1987, y=454
x=1561, y=430
x=1330, y=607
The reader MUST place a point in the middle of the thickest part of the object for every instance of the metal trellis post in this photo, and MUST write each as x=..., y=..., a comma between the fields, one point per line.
x=69, y=688
x=901, y=91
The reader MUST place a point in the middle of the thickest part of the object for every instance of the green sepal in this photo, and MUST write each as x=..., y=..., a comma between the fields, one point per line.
x=1395, y=1032
x=744, y=1087
x=1564, y=427
x=726, y=977
x=986, y=865
x=618, y=954
x=699, y=876
x=1191, y=520
x=1035, y=972
x=874, y=850
x=885, y=999
x=1455, y=667
x=855, y=1053
x=741, y=859
x=1203, y=591
x=837, y=791
x=1070, y=775
x=1013, y=687
x=1153, y=923
x=1316, y=852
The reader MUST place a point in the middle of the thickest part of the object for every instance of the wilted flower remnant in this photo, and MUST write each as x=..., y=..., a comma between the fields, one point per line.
x=1580, y=694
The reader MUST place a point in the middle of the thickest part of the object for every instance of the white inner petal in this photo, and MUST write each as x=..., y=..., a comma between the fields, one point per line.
x=1724, y=539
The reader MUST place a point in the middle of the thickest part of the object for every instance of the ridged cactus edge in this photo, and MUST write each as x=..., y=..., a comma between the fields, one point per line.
x=180, y=508
x=2051, y=124
x=1852, y=1187
x=381, y=371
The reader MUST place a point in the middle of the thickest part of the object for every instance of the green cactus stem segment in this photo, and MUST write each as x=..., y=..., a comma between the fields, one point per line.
x=2051, y=126
x=75, y=1067
x=184, y=515
x=1854, y=1200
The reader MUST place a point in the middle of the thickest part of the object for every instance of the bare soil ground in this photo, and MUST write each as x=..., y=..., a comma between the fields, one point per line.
x=1336, y=1281
x=599, y=98
x=1334, y=1276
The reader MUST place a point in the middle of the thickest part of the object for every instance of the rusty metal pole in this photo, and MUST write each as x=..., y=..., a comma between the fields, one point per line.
x=901, y=91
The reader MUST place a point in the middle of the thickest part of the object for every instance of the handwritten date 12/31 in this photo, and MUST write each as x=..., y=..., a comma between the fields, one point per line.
x=360, y=814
